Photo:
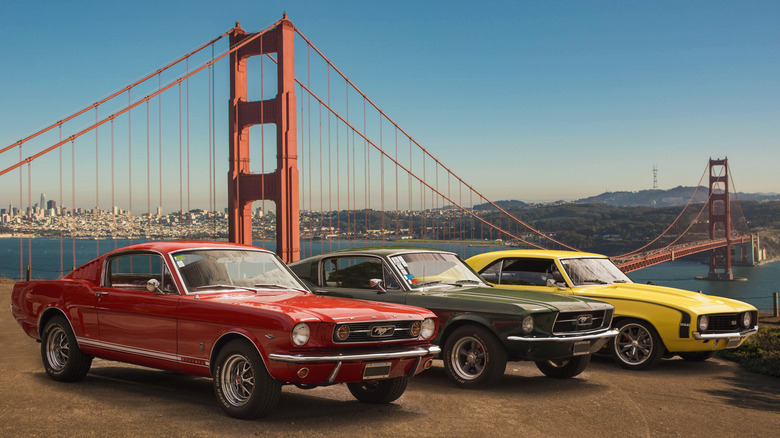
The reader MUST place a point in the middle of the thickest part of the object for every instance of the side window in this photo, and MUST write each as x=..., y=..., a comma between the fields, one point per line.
x=493, y=272
x=527, y=272
x=132, y=271
x=356, y=273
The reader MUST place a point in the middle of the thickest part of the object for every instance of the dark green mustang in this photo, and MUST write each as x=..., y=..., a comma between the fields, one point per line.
x=482, y=327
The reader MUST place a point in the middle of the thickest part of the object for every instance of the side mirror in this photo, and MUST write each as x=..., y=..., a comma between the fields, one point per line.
x=154, y=286
x=551, y=282
x=377, y=284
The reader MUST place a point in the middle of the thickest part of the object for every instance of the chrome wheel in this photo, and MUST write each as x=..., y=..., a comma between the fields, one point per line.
x=468, y=358
x=60, y=353
x=237, y=380
x=57, y=349
x=637, y=345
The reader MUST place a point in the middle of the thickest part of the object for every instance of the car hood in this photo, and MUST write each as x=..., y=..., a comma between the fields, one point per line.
x=668, y=296
x=304, y=306
x=527, y=299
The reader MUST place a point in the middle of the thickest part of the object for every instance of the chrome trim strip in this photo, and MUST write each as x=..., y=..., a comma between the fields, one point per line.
x=172, y=357
x=607, y=334
x=413, y=371
x=708, y=336
x=313, y=357
x=334, y=373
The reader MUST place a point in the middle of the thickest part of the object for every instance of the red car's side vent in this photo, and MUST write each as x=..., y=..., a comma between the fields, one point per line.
x=86, y=272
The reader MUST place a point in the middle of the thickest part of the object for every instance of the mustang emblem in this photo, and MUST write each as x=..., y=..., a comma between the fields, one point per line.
x=585, y=320
x=382, y=331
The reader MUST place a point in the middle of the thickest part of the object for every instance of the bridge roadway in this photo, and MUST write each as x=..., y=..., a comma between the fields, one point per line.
x=677, y=398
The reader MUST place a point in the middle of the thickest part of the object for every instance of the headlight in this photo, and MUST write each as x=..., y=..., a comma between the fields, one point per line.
x=528, y=324
x=704, y=322
x=428, y=328
x=746, y=319
x=415, y=328
x=301, y=334
x=342, y=333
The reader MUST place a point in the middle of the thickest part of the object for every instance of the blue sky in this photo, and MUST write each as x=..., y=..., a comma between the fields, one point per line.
x=523, y=100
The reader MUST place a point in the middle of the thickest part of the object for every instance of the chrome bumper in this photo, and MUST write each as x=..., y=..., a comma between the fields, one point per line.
x=602, y=335
x=313, y=357
x=710, y=336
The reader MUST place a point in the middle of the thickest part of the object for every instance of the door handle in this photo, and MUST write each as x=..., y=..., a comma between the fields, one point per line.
x=99, y=294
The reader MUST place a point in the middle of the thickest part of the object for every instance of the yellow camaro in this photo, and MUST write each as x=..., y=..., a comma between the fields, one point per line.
x=653, y=321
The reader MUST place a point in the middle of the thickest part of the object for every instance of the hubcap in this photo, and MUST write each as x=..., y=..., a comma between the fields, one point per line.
x=633, y=344
x=57, y=349
x=238, y=380
x=468, y=358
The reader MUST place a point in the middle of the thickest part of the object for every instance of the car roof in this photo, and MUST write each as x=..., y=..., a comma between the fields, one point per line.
x=384, y=251
x=546, y=253
x=177, y=245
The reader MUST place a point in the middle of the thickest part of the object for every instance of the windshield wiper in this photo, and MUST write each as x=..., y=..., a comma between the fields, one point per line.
x=594, y=282
x=216, y=286
x=427, y=283
x=273, y=286
x=225, y=286
x=468, y=282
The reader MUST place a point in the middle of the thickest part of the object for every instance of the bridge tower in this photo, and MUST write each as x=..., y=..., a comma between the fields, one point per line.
x=280, y=186
x=720, y=220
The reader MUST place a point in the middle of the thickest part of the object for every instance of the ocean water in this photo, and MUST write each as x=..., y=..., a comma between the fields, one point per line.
x=51, y=258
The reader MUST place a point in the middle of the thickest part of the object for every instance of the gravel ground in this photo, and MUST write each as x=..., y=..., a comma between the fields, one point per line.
x=676, y=398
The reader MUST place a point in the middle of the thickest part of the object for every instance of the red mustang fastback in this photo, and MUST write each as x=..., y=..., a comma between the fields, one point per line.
x=233, y=312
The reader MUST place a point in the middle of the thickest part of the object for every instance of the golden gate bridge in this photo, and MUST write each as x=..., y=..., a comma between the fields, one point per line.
x=335, y=165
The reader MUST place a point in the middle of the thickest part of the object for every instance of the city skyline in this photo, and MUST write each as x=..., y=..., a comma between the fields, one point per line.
x=573, y=99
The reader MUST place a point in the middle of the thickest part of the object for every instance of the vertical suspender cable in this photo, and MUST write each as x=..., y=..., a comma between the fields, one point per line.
x=308, y=114
x=181, y=171
x=148, y=177
x=59, y=216
x=29, y=216
x=211, y=145
x=212, y=182
x=382, y=181
x=21, y=211
x=189, y=208
x=73, y=197
x=302, y=187
x=130, y=167
x=159, y=139
x=330, y=176
x=97, y=191
x=113, y=201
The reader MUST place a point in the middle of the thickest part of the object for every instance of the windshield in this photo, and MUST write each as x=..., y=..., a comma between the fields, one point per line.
x=431, y=268
x=227, y=269
x=586, y=271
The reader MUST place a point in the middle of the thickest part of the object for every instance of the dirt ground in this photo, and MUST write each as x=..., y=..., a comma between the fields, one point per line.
x=676, y=398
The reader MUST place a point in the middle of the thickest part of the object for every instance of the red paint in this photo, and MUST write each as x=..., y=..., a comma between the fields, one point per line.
x=181, y=331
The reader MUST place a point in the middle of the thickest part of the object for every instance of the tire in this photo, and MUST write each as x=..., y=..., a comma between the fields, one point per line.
x=379, y=391
x=62, y=358
x=474, y=357
x=242, y=384
x=637, y=345
x=697, y=356
x=565, y=368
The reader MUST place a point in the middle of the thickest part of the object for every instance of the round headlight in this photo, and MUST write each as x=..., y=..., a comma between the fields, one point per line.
x=415, y=328
x=746, y=319
x=301, y=334
x=528, y=324
x=342, y=333
x=704, y=322
x=428, y=328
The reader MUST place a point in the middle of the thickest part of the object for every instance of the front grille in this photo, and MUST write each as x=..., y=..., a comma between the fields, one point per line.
x=727, y=322
x=375, y=331
x=582, y=321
